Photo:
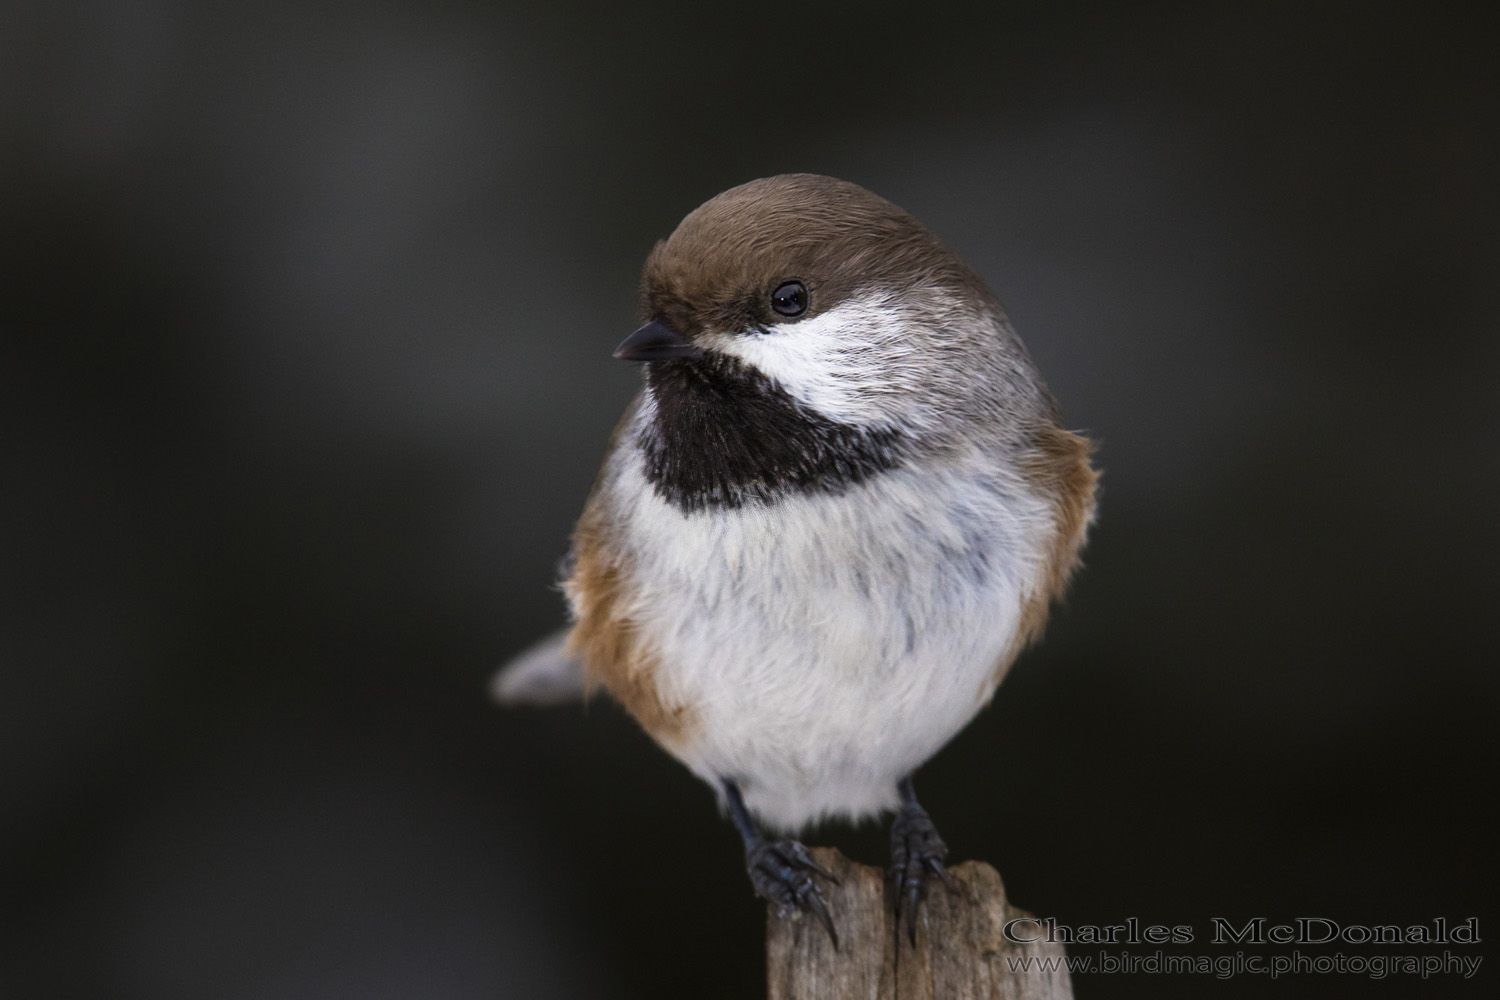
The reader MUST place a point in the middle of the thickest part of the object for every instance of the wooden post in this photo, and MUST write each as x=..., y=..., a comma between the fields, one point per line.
x=961, y=951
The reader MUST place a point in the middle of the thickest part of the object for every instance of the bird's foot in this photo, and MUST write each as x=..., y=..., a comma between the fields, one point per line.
x=917, y=854
x=779, y=871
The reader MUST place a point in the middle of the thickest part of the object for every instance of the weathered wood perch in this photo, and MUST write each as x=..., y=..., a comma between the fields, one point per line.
x=961, y=952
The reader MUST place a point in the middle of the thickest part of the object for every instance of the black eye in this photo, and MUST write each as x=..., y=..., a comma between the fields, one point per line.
x=790, y=299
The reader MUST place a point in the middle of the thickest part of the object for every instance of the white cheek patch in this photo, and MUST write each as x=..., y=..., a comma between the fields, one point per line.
x=856, y=363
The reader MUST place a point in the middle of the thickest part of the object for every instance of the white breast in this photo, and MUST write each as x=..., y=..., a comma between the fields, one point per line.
x=831, y=644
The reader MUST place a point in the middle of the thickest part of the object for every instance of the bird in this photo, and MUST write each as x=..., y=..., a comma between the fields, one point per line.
x=840, y=506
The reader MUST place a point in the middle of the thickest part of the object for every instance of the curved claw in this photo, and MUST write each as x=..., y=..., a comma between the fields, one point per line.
x=800, y=856
x=936, y=867
x=913, y=900
x=778, y=873
x=814, y=903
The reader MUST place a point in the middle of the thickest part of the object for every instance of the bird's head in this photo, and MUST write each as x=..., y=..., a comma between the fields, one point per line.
x=834, y=296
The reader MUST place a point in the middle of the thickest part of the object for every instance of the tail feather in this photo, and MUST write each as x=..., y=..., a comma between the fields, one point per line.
x=545, y=674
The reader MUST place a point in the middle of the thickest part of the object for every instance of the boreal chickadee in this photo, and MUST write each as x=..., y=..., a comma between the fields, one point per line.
x=838, y=509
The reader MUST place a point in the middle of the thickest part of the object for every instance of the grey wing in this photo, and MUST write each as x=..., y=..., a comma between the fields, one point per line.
x=545, y=674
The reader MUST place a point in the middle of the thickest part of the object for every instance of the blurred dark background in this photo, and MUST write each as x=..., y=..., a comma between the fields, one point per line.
x=307, y=311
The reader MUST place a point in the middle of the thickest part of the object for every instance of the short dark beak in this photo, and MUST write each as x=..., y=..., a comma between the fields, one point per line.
x=656, y=341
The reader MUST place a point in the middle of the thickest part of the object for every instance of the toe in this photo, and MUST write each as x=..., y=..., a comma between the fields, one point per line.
x=780, y=874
